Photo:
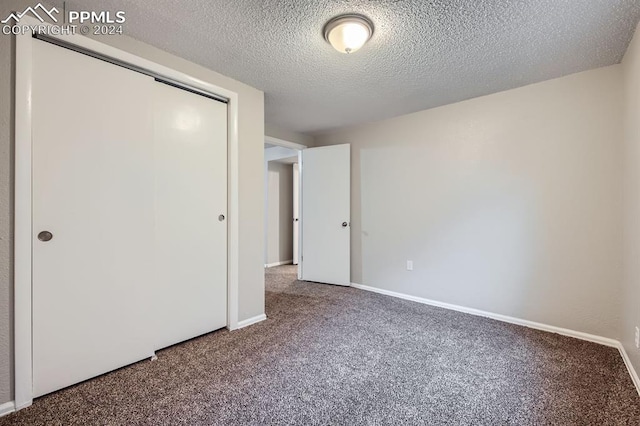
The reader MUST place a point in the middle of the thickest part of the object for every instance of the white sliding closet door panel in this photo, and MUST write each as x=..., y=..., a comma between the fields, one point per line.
x=93, y=191
x=191, y=195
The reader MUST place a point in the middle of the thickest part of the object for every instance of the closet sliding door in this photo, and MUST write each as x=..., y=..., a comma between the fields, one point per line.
x=190, y=143
x=93, y=209
x=129, y=216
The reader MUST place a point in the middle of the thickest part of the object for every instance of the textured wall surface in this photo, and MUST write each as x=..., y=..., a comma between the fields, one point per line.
x=280, y=213
x=631, y=295
x=510, y=203
x=422, y=54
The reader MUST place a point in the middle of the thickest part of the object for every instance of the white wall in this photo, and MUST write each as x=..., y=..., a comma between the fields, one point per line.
x=279, y=213
x=251, y=176
x=509, y=203
x=288, y=135
x=278, y=153
x=631, y=294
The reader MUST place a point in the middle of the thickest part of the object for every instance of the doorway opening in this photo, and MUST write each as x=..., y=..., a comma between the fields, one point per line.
x=307, y=210
x=282, y=242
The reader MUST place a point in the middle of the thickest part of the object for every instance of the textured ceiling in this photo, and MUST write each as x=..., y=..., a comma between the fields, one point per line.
x=422, y=54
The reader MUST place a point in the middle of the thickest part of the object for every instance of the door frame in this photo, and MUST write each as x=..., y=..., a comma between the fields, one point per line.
x=298, y=147
x=23, y=368
x=296, y=211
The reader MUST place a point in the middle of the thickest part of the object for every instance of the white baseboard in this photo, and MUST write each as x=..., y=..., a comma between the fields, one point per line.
x=531, y=324
x=632, y=371
x=7, y=408
x=284, y=262
x=251, y=321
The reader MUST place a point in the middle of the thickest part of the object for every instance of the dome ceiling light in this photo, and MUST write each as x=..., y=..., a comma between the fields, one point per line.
x=348, y=33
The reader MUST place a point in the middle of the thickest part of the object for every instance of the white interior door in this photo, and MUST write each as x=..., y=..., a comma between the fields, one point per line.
x=296, y=215
x=190, y=135
x=92, y=175
x=326, y=211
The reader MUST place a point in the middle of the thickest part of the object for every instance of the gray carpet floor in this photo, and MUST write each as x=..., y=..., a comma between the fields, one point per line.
x=341, y=356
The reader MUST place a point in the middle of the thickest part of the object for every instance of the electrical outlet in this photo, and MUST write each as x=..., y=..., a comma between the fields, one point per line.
x=637, y=337
x=409, y=265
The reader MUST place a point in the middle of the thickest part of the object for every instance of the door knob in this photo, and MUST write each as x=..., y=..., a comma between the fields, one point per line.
x=345, y=224
x=221, y=217
x=45, y=236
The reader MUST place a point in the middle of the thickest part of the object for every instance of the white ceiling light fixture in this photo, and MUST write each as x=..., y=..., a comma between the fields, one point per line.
x=348, y=33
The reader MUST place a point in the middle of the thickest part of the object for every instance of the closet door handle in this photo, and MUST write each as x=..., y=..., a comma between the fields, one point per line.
x=45, y=236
